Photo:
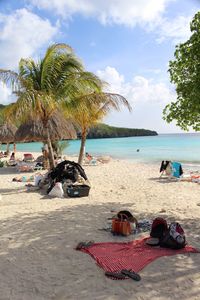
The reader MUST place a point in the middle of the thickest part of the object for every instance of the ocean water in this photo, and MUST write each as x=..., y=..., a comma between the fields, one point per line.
x=177, y=147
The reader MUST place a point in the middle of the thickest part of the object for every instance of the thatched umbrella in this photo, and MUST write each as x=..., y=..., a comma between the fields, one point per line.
x=33, y=130
x=7, y=134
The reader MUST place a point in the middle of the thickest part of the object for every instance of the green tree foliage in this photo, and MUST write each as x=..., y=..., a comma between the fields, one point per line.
x=41, y=86
x=89, y=109
x=106, y=131
x=185, y=74
x=59, y=147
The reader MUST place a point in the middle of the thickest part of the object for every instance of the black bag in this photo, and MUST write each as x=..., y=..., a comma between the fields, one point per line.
x=67, y=170
x=158, y=228
x=78, y=190
x=174, y=238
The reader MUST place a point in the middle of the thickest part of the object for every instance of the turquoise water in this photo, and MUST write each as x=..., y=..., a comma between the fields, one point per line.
x=181, y=147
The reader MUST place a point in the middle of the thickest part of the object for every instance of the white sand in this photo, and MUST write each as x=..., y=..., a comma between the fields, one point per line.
x=38, y=235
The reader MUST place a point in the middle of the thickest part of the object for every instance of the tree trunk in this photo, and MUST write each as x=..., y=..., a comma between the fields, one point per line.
x=7, y=148
x=82, y=149
x=45, y=156
x=51, y=156
x=14, y=147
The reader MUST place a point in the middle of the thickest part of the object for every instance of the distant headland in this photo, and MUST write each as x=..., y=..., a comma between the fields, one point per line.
x=106, y=131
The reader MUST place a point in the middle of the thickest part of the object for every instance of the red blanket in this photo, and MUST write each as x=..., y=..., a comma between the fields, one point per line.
x=133, y=255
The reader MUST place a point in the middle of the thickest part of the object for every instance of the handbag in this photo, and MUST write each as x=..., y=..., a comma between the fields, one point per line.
x=121, y=226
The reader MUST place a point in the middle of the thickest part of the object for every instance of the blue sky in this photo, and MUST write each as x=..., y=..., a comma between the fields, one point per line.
x=128, y=43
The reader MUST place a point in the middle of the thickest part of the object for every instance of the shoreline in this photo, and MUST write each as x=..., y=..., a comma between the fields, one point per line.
x=188, y=165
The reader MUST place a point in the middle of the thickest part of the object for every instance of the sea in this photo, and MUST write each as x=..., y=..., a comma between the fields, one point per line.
x=184, y=148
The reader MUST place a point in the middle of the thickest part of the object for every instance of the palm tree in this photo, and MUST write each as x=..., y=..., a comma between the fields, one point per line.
x=42, y=86
x=89, y=109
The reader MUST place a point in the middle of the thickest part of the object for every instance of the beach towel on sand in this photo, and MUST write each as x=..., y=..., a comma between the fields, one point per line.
x=134, y=255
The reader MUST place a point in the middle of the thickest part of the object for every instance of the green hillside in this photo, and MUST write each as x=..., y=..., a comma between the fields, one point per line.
x=106, y=131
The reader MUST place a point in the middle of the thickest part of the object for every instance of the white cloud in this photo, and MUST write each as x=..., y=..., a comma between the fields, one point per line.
x=139, y=89
x=149, y=14
x=5, y=94
x=22, y=34
x=126, y=12
x=178, y=29
x=147, y=98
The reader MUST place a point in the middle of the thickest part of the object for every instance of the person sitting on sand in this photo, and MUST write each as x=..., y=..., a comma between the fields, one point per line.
x=12, y=157
x=6, y=153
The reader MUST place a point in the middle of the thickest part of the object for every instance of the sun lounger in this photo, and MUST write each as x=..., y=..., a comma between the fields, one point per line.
x=28, y=157
x=26, y=166
x=90, y=162
x=171, y=169
x=93, y=161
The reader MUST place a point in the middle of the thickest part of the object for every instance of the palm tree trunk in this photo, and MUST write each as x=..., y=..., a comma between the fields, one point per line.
x=7, y=148
x=82, y=149
x=45, y=156
x=14, y=148
x=51, y=156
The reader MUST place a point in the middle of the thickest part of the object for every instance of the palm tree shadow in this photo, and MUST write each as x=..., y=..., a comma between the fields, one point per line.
x=12, y=191
x=9, y=170
x=38, y=249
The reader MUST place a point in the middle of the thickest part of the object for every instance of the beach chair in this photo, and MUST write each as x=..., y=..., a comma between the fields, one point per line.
x=166, y=168
x=23, y=166
x=171, y=169
x=28, y=157
x=90, y=160
x=177, y=170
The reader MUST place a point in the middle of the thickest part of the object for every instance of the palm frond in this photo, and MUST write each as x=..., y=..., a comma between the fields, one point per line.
x=89, y=109
x=10, y=78
x=58, y=62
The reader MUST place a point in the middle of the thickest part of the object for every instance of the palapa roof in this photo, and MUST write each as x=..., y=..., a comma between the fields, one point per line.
x=7, y=133
x=33, y=130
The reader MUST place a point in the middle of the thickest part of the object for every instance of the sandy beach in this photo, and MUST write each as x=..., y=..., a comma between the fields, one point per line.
x=38, y=236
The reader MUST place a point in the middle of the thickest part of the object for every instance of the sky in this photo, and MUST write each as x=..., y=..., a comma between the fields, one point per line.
x=127, y=43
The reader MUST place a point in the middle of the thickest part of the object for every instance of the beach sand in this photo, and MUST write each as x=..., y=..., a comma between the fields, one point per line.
x=38, y=236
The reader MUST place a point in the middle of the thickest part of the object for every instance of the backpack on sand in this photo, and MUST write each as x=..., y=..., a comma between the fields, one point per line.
x=174, y=238
x=158, y=228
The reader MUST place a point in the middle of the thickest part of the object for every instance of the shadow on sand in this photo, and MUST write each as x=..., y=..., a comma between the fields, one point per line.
x=38, y=260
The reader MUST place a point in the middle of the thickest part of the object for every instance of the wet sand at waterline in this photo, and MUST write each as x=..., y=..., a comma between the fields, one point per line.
x=38, y=236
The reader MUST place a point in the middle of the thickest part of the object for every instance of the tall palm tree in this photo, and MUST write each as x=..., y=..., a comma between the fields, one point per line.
x=42, y=86
x=89, y=109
